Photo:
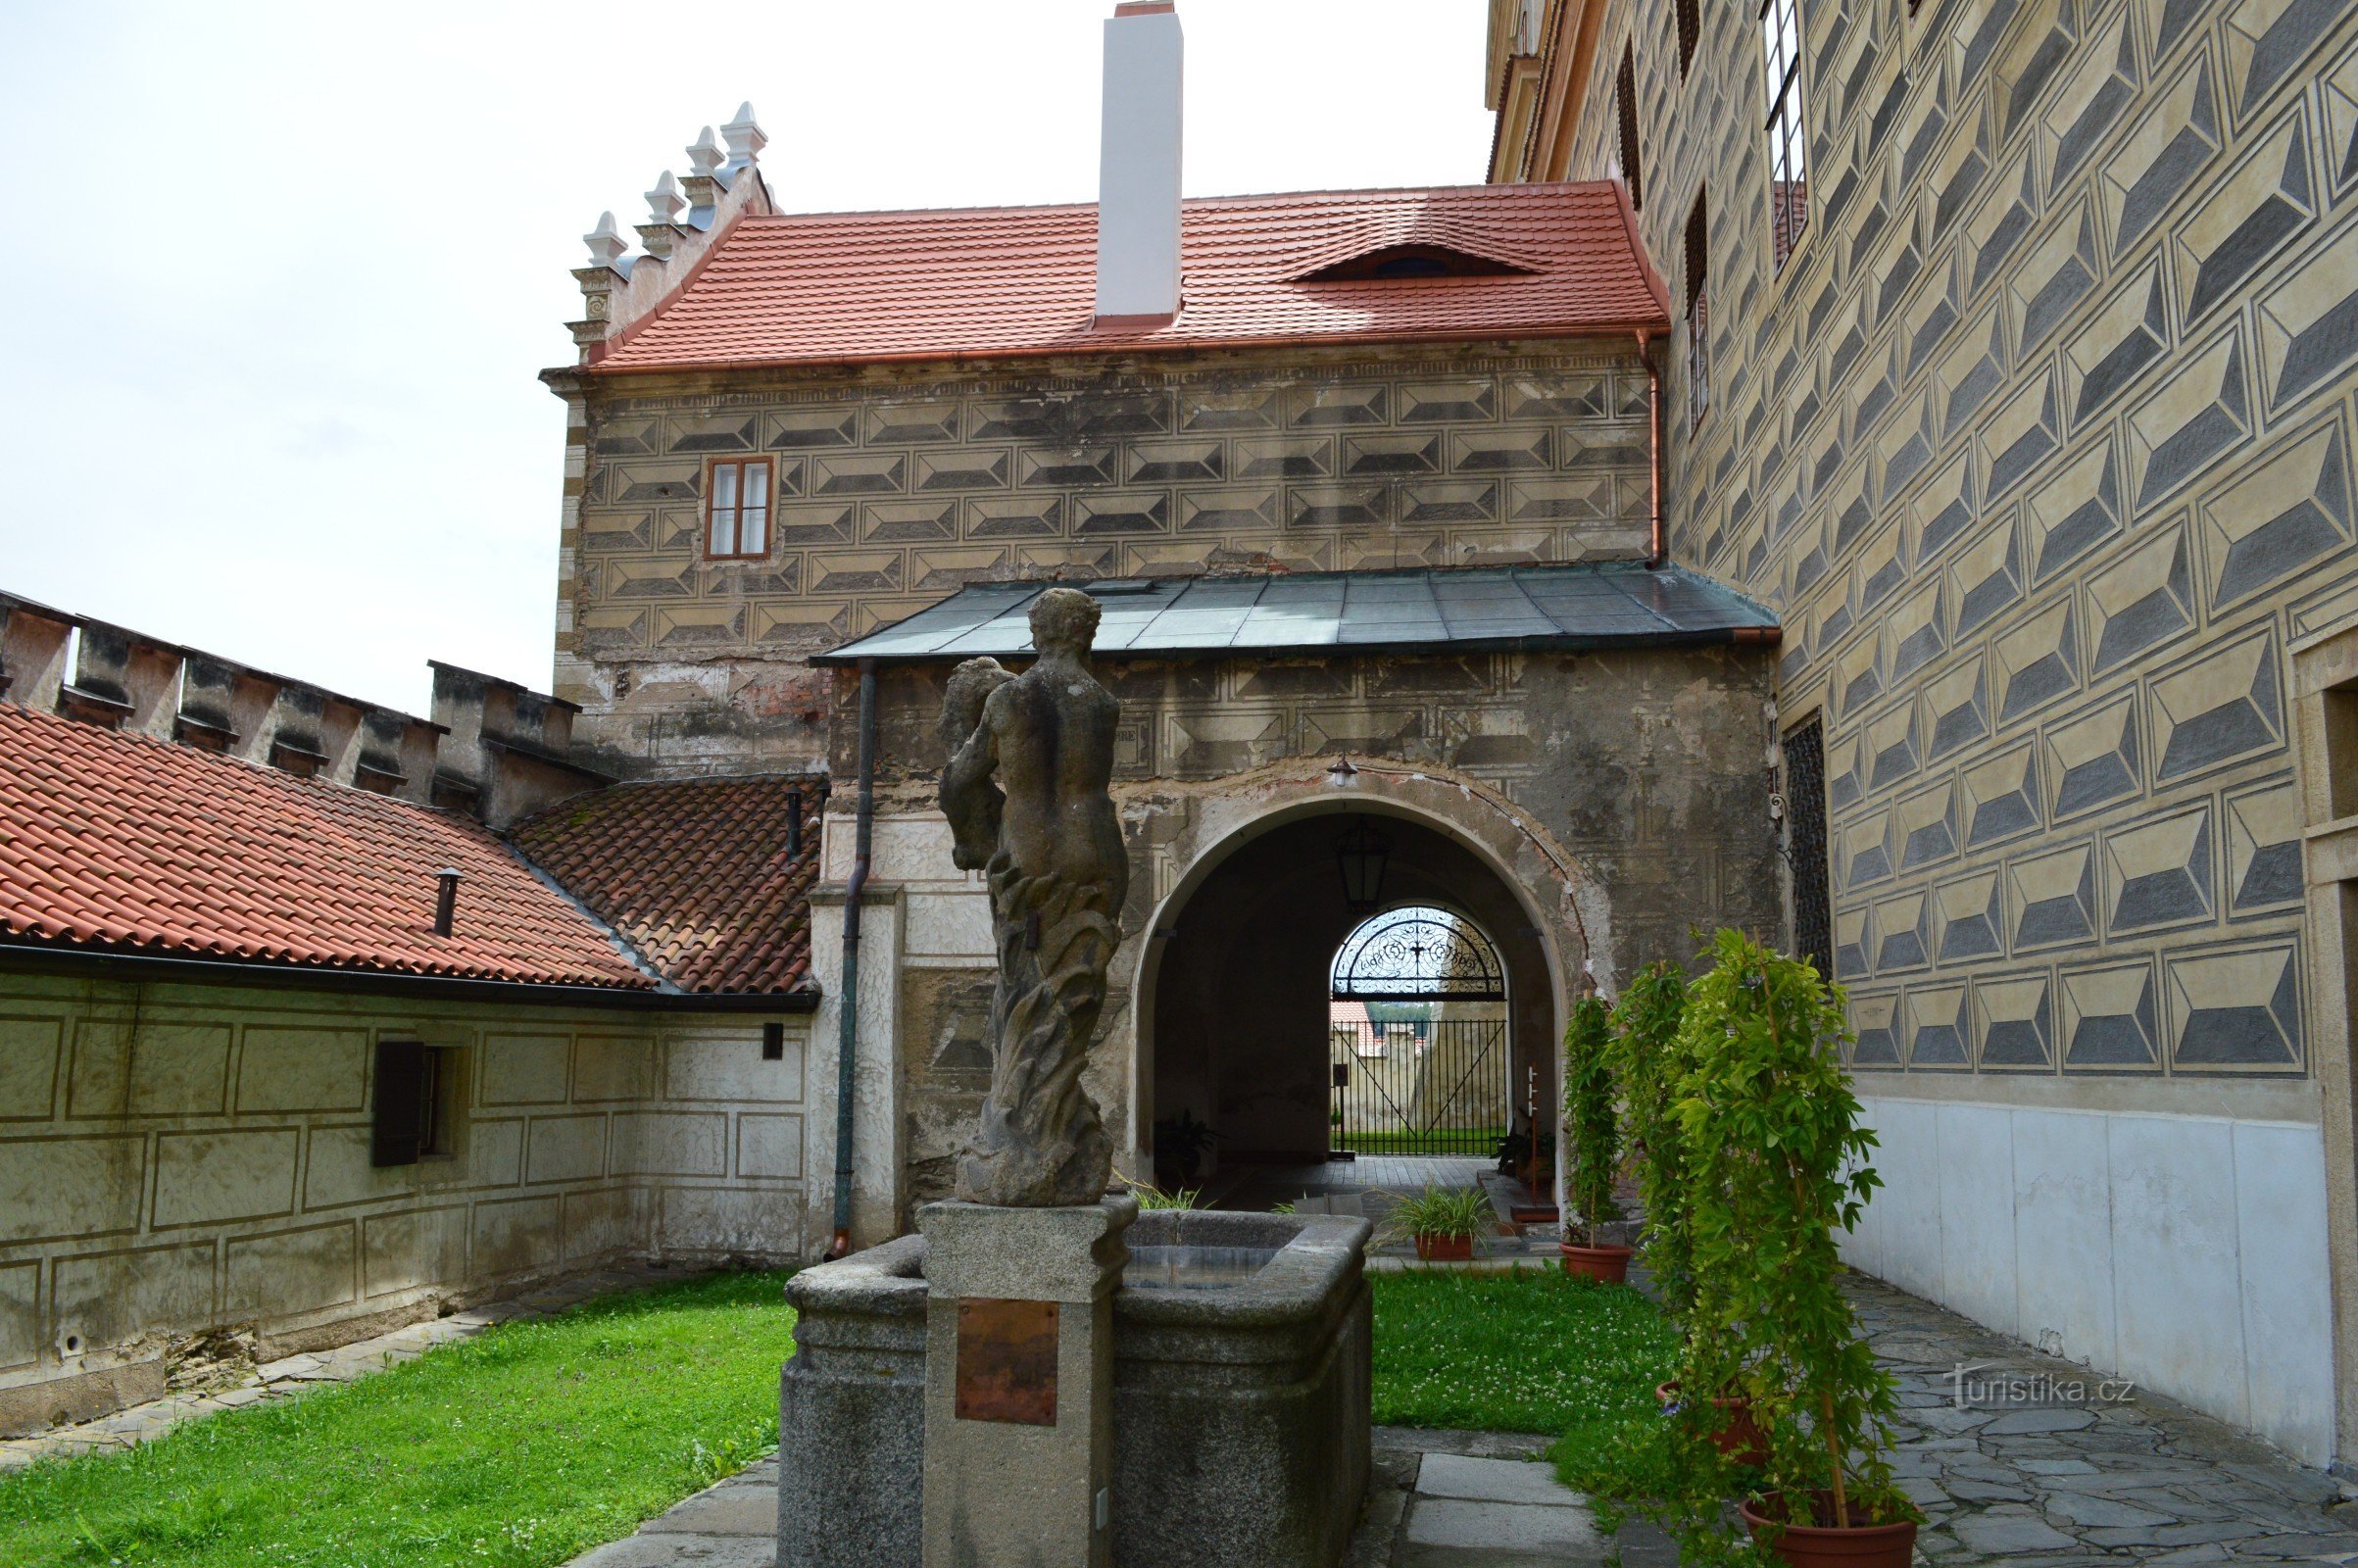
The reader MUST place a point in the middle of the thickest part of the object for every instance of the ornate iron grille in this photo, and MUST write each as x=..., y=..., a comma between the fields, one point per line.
x=1416, y=955
x=1805, y=844
x=1407, y=1083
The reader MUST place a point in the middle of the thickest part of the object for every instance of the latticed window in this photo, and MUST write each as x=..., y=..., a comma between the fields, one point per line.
x=1625, y=104
x=1806, y=843
x=1691, y=29
x=737, y=509
x=1788, y=181
x=1698, y=312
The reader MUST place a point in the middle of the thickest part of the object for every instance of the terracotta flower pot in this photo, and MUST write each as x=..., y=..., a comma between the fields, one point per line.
x=1816, y=1545
x=1740, y=1440
x=1607, y=1264
x=1445, y=1249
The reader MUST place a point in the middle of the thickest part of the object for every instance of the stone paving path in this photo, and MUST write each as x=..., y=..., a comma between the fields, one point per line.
x=2144, y=1481
x=294, y=1376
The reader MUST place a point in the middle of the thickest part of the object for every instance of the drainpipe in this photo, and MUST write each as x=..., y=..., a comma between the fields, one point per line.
x=1653, y=408
x=848, y=1014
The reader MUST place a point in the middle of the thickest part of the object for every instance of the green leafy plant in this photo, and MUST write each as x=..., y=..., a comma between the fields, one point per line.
x=1184, y=1142
x=1775, y=1166
x=1590, y=1118
x=1646, y=1061
x=1149, y=1195
x=1440, y=1211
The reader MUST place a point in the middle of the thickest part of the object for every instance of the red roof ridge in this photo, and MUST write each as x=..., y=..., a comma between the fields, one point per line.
x=1522, y=189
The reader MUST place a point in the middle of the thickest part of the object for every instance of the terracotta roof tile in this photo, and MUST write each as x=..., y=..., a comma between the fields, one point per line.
x=984, y=282
x=130, y=842
x=695, y=873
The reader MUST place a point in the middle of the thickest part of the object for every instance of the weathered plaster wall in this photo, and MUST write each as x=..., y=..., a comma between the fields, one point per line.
x=899, y=486
x=1622, y=797
x=175, y=1158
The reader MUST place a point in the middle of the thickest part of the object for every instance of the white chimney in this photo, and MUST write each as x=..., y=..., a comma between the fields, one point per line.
x=1138, y=165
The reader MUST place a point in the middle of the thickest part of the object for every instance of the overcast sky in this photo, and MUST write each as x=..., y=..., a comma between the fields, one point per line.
x=280, y=276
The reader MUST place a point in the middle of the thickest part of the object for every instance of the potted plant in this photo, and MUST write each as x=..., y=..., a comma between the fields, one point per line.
x=1648, y=1064
x=1443, y=1222
x=1183, y=1141
x=1593, y=1123
x=1775, y=1166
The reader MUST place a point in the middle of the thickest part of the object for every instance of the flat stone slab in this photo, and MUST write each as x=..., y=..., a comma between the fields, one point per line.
x=1560, y=1534
x=744, y=1506
x=1447, y=1475
x=677, y=1551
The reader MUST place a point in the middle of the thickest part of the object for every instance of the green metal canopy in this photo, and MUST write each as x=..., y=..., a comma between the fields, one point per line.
x=1617, y=604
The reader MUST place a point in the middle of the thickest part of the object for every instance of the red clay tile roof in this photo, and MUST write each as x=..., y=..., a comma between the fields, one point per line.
x=123, y=841
x=695, y=873
x=987, y=282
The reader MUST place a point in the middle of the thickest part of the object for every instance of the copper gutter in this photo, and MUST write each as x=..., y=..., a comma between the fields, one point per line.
x=1653, y=408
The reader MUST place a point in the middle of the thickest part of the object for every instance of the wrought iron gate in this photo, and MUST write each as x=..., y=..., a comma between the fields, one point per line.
x=1418, y=1038
x=1432, y=1085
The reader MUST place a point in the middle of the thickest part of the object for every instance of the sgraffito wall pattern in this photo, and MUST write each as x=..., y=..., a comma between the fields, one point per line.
x=2040, y=444
x=897, y=493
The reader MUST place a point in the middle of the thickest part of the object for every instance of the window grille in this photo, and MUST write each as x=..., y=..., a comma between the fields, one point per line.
x=737, y=509
x=1806, y=843
x=1625, y=103
x=1788, y=183
x=1698, y=312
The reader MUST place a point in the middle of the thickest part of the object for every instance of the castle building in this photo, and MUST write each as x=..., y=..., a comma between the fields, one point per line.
x=2012, y=365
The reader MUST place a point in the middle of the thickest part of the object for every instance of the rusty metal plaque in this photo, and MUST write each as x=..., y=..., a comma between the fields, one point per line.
x=1007, y=1361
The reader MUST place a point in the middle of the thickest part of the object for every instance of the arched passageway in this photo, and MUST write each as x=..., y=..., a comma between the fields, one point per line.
x=1240, y=1031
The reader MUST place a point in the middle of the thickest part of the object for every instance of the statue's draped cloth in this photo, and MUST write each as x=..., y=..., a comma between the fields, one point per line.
x=1051, y=848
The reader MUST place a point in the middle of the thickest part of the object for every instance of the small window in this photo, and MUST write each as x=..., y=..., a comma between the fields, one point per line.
x=1699, y=314
x=737, y=509
x=1395, y=261
x=1788, y=183
x=773, y=1041
x=415, y=1085
x=1690, y=32
x=1806, y=843
x=1625, y=105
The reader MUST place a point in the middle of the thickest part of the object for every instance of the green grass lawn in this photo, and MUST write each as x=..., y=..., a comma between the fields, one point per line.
x=1533, y=1351
x=520, y=1448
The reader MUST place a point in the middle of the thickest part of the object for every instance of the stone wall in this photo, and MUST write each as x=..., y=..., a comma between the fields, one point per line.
x=1618, y=800
x=2040, y=441
x=901, y=487
x=176, y=1158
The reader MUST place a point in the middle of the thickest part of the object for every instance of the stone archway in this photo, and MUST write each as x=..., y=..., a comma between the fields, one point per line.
x=1233, y=986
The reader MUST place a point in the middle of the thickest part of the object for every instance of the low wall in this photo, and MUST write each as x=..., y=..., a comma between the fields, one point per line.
x=179, y=1158
x=2187, y=1252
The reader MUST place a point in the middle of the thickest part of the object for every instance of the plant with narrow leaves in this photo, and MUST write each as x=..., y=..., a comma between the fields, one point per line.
x=1589, y=1116
x=1450, y=1211
x=1646, y=1061
x=1775, y=1166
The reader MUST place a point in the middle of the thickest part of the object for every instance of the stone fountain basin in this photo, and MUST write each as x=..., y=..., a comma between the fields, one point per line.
x=1241, y=1387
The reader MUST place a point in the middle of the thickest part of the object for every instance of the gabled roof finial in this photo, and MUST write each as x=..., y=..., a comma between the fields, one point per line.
x=606, y=243
x=745, y=136
x=704, y=155
x=665, y=202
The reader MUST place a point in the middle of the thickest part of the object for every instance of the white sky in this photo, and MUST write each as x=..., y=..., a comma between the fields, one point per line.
x=280, y=275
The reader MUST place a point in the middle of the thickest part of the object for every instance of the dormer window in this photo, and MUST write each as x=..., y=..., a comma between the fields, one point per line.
x=1401, y=262
x=737, y=509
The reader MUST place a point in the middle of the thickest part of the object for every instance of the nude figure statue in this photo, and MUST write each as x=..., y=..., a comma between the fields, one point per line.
x=1046, y=837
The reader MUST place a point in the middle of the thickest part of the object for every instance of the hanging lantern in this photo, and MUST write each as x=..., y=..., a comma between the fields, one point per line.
x=1362, y=851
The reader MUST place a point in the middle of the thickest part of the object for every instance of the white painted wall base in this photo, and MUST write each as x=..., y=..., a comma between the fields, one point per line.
x=2187, y=1252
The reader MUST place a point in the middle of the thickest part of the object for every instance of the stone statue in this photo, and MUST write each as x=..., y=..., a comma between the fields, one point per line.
x=1052, y=851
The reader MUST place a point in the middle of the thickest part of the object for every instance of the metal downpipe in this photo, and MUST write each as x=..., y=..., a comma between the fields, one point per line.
x=847, y=1006
x=1654, y=410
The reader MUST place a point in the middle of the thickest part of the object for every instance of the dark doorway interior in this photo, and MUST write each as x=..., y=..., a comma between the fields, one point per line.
x=1242, y=1037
